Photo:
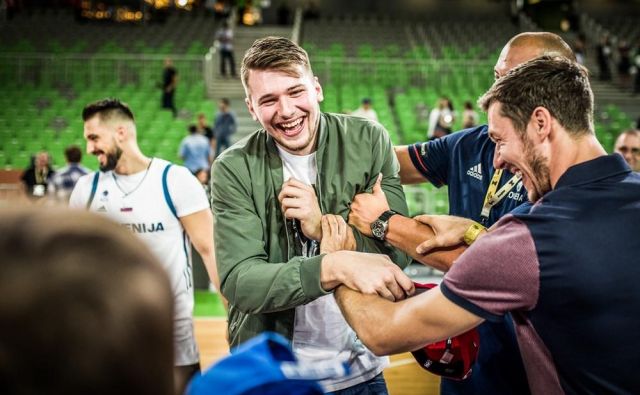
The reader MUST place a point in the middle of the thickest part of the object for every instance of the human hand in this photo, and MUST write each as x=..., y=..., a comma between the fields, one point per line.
x=336, y=234
x=367, y=207
x=372, y=274
x=299, y=201
x=449, y=231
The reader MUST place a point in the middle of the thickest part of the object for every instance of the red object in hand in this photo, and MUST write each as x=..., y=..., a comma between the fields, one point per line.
x=451, y=358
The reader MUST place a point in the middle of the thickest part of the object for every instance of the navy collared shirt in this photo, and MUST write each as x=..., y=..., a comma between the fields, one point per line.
x=568, y=273
x=464, y=161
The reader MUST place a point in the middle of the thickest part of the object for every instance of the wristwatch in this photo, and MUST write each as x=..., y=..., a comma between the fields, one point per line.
x=380, y=226
x=472, y=233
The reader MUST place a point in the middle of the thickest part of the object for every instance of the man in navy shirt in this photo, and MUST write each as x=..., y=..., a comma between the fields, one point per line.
x=566, y=271
x=464, y=162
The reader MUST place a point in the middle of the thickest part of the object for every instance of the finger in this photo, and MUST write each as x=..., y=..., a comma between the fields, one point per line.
x=385, y=293
x=288, y=203
x=405, y=283
x=425, y=219
x=332, y=230
x=333, y=224
x=427, y=246
x=294, y=213
x=326, y=231
x=342, y=225
x=282, y=195
x=395, y=289
x=299, y=185
x=350, y=218
x=377, y=187
x=290, y=191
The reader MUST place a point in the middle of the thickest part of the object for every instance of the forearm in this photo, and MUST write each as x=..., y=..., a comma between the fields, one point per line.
x=209, y=260
x=367, y=315
x=406, y=234
x=256, y=286
x=368, y=244
x=387, y=328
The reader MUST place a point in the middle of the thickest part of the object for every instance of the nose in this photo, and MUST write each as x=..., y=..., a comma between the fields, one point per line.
x=629, y=157
x=90, y=147
x=287, y=108
x=498, y=162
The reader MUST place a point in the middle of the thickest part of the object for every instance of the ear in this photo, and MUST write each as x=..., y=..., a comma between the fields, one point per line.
x=541, y=120
x=318, y=88
x=247, y=101
x=121, y=133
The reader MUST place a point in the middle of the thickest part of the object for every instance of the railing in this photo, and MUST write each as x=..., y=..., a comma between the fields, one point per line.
x=43, y=68
x=297, y=25
x=402, y=72
x=39, y=69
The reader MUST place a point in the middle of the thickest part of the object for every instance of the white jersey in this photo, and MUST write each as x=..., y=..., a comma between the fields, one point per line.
x=151, y=208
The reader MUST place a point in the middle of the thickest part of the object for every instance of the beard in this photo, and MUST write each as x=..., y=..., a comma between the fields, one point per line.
x=541, y=175
x=112, y=160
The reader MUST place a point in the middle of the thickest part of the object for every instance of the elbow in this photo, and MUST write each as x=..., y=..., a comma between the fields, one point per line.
x=377, y=346
x=378, y=349
x=374, y=341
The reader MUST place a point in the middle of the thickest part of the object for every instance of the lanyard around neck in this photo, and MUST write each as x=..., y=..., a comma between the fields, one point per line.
x=492, y=197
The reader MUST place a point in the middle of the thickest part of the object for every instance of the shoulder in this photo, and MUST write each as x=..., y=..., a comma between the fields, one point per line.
x=64, y=169
x=83, y=170
x=85, y=183
x=245, y=153
x=472, y=144
x=471, y=136
x=354, y=128
x=174, y=171
x=87, y=179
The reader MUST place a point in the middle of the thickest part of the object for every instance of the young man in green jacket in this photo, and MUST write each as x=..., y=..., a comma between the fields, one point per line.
x=277, y=191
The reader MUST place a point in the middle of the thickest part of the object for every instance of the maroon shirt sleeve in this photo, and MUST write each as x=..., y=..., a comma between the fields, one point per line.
x=497, y=274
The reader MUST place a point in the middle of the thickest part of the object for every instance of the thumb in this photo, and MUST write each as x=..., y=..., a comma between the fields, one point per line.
x=427, y=246
x=377, y=188
x=425, y=219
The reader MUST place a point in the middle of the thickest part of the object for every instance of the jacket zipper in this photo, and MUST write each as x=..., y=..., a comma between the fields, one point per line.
x=318, y=187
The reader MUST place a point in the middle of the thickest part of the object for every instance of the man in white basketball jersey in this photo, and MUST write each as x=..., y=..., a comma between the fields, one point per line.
x=159, y=202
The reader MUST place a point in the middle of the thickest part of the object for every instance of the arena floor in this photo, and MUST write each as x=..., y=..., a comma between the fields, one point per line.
x=404, y=376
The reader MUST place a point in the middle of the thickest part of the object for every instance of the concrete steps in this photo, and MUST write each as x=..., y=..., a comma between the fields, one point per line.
x=232, y=87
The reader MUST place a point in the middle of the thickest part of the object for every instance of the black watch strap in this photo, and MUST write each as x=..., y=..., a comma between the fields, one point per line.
x=380, y=226
x=386, y=215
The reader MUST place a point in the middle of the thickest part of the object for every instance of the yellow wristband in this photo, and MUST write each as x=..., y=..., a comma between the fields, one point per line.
x=472, y=233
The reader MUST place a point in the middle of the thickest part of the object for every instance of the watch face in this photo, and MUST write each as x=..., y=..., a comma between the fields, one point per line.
x=377, y=228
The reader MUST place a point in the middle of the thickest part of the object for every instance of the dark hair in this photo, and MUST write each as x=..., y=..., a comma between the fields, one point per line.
x=225, y=101
x=274, y=53
x=86, y=309
x=73, y=154
x=107, y=109
x=555, y=83
x=193, y=129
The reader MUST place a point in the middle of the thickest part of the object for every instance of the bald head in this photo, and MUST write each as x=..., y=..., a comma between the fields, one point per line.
x=530, y=45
